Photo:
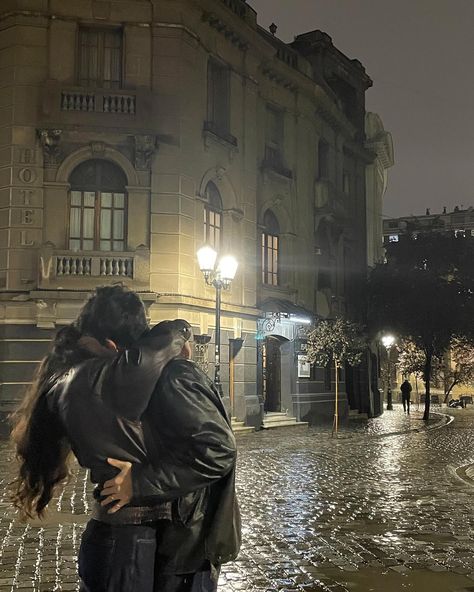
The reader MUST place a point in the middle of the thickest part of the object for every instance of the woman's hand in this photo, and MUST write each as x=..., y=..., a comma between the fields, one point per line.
x=118, y=490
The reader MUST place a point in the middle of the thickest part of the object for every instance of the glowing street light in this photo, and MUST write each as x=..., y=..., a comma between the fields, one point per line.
x=221, y=278
x=388, y=341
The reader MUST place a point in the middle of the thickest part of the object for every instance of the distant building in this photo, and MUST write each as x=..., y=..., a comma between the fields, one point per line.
x=133, y=131
x=460, y=222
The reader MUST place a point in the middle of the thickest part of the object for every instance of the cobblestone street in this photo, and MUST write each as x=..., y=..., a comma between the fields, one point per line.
x=380, y=509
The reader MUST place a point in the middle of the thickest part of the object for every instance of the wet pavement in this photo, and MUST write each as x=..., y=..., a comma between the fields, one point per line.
x=368, y=511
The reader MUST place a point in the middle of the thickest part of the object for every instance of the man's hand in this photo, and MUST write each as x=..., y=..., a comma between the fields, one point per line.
x=118, y=490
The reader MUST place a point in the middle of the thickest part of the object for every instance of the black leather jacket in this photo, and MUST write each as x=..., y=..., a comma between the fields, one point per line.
x=193, y=451
x=100, y=402
x=182, y=450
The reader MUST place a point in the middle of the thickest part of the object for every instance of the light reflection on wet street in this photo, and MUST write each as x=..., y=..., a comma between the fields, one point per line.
x=369, y=511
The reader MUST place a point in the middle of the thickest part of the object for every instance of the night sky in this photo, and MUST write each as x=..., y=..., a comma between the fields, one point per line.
x=420, y=56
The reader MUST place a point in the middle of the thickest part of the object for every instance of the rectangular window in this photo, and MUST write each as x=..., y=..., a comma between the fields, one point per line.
x=274, y=136
x=270, y=259
x=323, y=159
x=218, y=98
x=346, y=182
x=97, y=221
x=100, y=58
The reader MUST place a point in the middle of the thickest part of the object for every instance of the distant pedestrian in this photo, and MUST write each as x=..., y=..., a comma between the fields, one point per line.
x=406, y=391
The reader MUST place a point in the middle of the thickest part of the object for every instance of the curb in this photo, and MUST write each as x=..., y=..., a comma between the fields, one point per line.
x=444, y=420
x=465, y=473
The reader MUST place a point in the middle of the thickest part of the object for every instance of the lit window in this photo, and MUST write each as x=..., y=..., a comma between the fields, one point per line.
x=100, y=58
x=270, y=249
x=97, y=207
x=393, y=238
x=213, y=216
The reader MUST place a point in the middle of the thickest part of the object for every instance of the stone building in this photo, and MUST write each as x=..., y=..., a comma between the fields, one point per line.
x=459, y=221
x=134, y=131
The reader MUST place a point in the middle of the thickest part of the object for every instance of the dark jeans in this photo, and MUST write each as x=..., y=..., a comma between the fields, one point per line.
x=115, y=558
x=406, y=402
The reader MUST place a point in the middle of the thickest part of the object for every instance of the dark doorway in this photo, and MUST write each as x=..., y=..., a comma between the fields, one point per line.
x=272, y=373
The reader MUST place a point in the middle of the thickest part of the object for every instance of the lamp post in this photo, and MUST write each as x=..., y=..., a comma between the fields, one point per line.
x=388, y=341
x=220, y=277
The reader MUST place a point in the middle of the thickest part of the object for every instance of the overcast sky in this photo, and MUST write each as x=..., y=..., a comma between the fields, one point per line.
x=420, y=56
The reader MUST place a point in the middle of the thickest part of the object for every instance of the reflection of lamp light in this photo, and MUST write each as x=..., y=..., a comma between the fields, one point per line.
x=387, y=341
x=220, y=277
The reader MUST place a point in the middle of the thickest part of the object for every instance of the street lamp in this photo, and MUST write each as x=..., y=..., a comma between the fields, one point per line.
x=221, y=278
x=388, y=341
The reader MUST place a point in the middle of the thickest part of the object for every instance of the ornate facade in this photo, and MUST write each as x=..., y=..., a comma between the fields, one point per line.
x=131, y=132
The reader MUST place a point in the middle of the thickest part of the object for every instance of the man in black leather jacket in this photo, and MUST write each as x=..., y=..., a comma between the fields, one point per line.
x=192, y=449
x=183, y=467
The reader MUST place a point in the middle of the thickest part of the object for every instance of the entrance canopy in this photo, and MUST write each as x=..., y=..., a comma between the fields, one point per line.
x=282, y=317
x=285, y=308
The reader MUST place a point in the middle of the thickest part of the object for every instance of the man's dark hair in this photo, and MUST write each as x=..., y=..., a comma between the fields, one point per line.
x=115, y=313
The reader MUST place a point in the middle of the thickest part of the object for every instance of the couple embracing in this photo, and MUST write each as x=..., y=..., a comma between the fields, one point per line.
x=151, y=428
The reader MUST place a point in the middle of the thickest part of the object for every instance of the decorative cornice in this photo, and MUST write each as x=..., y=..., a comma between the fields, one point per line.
x=226, y=30
x=272, y=74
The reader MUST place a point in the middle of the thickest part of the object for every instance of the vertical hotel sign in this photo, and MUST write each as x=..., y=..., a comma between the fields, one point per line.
x=27, y=176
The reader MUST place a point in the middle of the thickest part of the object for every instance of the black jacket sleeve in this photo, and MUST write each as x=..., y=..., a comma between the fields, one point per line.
x=126, y=382
x=193, y=443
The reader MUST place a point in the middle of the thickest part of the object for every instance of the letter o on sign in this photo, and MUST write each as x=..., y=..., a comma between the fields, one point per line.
x=27, y=175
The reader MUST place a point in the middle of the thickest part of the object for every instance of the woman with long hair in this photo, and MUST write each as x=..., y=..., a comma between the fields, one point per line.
x=87, y=398
x=42, y=446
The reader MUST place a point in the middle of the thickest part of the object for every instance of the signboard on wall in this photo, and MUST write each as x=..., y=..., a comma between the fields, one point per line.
x=304, y=367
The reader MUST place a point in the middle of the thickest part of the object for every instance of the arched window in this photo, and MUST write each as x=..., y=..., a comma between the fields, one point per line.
x=213, y=216
x=97, y=207
x=270, y=249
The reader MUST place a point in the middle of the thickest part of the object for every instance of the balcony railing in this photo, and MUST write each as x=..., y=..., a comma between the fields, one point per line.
x=98, y=101
x=61, y=269
x=73, y=265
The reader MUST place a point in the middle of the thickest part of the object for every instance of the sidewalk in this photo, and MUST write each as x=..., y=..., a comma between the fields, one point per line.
x=390, y=423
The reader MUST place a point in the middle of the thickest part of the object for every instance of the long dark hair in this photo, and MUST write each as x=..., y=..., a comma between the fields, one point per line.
x=42, y=445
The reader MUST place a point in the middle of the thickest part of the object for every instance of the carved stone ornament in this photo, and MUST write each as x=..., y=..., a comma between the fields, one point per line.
x=145, y=147
x=97, y=148
x=50, y=139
